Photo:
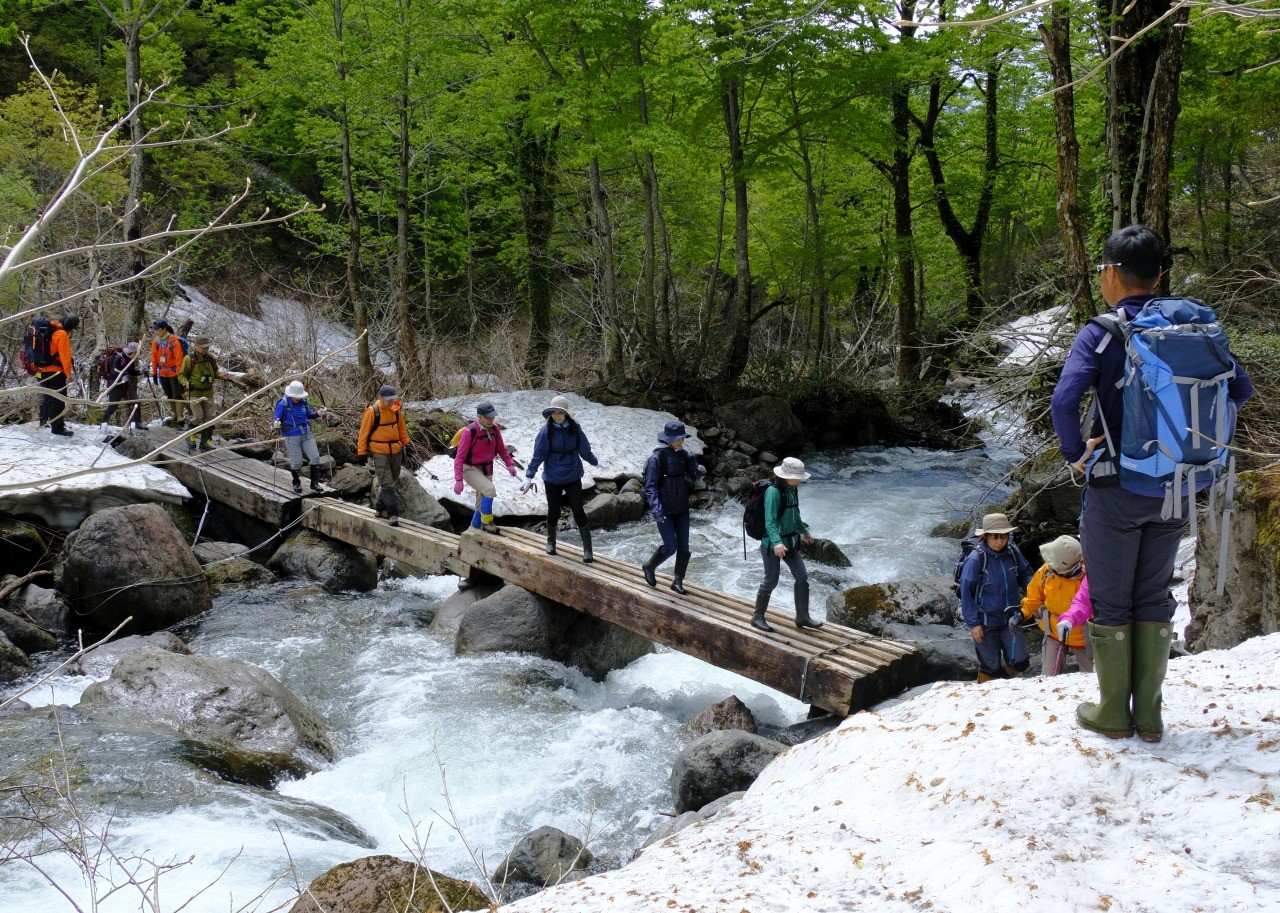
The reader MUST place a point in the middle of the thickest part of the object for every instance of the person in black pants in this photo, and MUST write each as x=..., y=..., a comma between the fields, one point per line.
x=560, y=448
x=669, y=477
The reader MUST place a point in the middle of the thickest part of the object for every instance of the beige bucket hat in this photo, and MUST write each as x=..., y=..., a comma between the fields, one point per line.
x=558, y=404
x=995, y=523
x=791, y=468
x=1062, y=554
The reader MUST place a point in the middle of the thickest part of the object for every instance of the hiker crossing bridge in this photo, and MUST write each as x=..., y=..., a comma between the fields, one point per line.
x=837, y=669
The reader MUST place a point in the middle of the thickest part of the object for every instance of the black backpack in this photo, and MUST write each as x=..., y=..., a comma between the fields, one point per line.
x=753, y=514
x=37, y=346
x=967, y=545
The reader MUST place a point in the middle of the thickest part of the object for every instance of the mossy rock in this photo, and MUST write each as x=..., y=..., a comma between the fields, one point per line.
x=22, y=547
x=435, y=428
x=376, y=884
x=236, y=574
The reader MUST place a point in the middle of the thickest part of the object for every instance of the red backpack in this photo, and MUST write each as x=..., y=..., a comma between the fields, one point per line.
x=106, y=363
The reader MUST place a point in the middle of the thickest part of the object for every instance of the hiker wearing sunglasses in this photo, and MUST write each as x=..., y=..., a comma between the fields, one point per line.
x=992, y=584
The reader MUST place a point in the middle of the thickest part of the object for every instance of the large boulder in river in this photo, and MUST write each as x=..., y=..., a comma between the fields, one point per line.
x=729, y=713
x=241, y=716
x=24, y=635
x=947, y=651
x=13, y=662
x=543, y=857
x=336, y=566
x=377, y=884
x=512, y=619
x=101, y=660
x=417, y=505
x=451, y=612
x=131, y=560
x=47, y=608
x=24, y=547
x=717, y=764
x=765, y=421
x=824, y=551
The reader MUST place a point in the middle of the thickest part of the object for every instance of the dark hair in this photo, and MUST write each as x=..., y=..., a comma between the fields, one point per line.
x=70, y=322
x=1140, y=253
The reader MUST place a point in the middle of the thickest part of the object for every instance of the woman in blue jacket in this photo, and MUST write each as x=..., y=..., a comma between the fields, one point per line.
x=992, y=583
x=559, y=449
x=669, y=477
x=293, y=420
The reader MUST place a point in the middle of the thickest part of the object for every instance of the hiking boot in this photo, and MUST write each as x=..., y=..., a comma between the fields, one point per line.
x=315, y=485
x=1150, y=662
x=297, y=483
x=551, y=539
x=393, y=520
x=802, y=608
x=62, y=432
x=650, y=567
x=491, y=529
x=1114, y=662
x=682, y=565
x=381, y=514
x=757, y=620
x=587, y=556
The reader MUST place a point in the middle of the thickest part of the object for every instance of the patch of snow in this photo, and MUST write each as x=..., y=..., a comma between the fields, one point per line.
x=30, y=456
x=979, y=797
x=621, y=437
x=1043, y=336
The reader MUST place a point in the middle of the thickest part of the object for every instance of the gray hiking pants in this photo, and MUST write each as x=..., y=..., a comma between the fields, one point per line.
x=1129, y=554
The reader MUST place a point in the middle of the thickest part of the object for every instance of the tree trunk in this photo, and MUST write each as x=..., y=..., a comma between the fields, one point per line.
x=614, y=363
x=535, y=163
x=1055, y=32
x=408, y=345
x=136, y=290
x=819, y=292
x=738, y=323
x=899, y=173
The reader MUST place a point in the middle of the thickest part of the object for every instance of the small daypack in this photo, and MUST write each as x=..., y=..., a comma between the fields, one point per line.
x=967, y=545
x=1178, y=419
x=106, y=363
x=456, y=441
x=37, y=346
x=753, y=524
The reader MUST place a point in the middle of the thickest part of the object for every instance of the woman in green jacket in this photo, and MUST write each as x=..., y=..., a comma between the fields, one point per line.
x=784, y=532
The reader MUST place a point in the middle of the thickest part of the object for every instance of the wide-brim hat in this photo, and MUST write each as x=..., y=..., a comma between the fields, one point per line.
x=994, y=523
x=1062, y=554
x=295, y=390
x=791, y=468
x=558, y=404
x=673, y=431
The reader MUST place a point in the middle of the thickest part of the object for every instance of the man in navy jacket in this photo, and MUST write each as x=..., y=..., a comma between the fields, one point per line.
x=1129, y=548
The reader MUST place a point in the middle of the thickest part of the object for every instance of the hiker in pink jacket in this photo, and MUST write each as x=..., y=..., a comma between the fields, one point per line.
x=481, y=443
x=1081, y=611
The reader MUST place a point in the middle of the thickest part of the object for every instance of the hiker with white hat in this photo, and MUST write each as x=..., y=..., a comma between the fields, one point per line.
x=1049, y=595
x=293, y=420
x=784, y=532
x=560, y=449
x=669, y=476
x=992, y=583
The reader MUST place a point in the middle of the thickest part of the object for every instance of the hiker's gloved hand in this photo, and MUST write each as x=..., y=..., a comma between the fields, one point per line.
x=1015, y=620
x=276, y=425
x=1064, y=628
x=155, y=380
x=512, y=470
x=528, y=483
x=457, y=488
x=362, y=459
x=658, y=517
x=976, y=633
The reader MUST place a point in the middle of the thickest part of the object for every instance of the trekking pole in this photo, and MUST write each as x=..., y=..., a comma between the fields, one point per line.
x=1062, y=655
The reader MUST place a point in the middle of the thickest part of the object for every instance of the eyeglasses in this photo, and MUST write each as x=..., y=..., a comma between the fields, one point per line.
x=1101, y=266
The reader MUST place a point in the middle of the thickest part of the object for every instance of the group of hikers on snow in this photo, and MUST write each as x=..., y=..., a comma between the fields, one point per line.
x=1165, y=393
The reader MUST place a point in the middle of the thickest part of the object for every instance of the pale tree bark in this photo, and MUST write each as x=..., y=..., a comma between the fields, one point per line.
x=1055, y=33
x=899, y=175
x=738, y=312
x=409, y=348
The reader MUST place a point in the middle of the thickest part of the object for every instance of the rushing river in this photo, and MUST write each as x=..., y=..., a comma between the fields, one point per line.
x=518, y=742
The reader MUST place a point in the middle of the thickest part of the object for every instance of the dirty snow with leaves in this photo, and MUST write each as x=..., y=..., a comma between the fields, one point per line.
x=971, y=797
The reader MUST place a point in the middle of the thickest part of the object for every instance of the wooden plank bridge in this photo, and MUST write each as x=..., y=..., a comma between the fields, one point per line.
x=838, y=669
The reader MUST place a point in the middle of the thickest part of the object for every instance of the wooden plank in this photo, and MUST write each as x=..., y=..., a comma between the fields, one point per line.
x=222, y=482
x=685, y=624
x=422, y=546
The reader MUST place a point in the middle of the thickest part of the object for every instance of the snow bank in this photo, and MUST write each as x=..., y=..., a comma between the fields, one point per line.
x=621, y=437
x=989, y=797
x=1044, y=336
x=29, y=455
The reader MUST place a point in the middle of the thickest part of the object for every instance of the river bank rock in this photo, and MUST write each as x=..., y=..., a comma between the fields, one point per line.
x=13, y=662
x=336, y=566
x=131, y=561
x=908, y=602
x=543, y=857
x=947, y=651
x=351, y=483
x=377, y=884
x=729, y=713
x=515, y=620
x=45, y=607
x=1250, y=604
x=449, y=615
x=416, y=503
x=717, y=764
x=824, y=551
x=242, y=718
x=24, y=547
x=24, y=635
x=101, y=660
x=680, y=822
x=767, y=422
x=607, y=511
x=227, y=567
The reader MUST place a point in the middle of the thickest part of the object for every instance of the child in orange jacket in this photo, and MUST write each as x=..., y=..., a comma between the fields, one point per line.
x=1049, y=596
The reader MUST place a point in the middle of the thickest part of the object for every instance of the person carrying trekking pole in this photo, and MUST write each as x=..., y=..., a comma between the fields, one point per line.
x=560, y=448
x=1049, y=595
x=383, y=433
x=196, y=376
x=166, y=360
x=54, y=369
x=784, y=531
x=293, y=419
x=479, y=445
x=992, y=582
x=1133, y=514
x=669, y=476
x=119, y=369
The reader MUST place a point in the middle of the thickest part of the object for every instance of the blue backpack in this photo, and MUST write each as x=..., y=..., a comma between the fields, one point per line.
x=1178, y=419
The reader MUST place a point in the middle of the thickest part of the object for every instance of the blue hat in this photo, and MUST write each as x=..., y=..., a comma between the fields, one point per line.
x=673, y=431
x=486, y=410
x=386, y=390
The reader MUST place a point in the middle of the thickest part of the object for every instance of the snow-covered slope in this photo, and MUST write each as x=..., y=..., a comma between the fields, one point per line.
x=989, y=797
x=30, y=455
x=621, y=437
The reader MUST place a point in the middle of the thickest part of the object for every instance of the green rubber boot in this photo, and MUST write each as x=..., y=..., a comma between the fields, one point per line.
x=1150, y=661
x=1114, y=662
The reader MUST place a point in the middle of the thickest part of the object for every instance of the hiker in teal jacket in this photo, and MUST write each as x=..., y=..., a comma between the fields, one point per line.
x=784, y=532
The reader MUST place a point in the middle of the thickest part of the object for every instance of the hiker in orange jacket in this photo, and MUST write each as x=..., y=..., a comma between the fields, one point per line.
x=166, y=361
x=383, y=434
x=1049, y=595
x=56, y=375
